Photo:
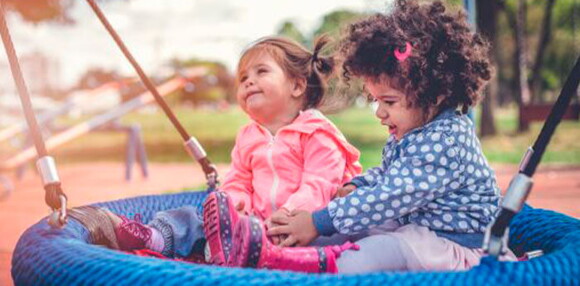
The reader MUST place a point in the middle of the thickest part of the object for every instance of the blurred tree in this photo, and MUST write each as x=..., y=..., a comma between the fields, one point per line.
x=216, y=86
x=521, y=61
x=542, y=44
x=289, y=29
x=333, y=22
x=36, y=11
x=560, y=57
x=538, y=24
x=486, y=18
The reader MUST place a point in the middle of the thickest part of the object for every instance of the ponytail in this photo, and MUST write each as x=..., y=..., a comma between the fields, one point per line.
x=321, y=68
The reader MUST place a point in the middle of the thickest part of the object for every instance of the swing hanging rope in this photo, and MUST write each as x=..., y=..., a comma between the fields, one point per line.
x=54, y=196
x=191, y=144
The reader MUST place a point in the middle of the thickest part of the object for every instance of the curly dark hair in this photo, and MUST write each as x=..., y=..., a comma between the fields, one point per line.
x=447, y=58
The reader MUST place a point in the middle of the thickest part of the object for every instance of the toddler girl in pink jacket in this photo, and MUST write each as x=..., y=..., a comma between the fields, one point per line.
x=288, y=157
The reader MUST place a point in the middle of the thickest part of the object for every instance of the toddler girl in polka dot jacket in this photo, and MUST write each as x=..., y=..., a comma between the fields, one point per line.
x=427, y=205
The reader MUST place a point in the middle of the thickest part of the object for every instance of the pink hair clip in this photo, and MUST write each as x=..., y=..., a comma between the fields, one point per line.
x=401, y=56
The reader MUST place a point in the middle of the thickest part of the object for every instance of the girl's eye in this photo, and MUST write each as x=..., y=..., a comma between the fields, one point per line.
x=243, y=78
x=388, y=102
x=261, y=71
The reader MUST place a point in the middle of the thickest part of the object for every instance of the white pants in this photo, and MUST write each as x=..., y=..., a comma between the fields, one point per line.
x=412, y=248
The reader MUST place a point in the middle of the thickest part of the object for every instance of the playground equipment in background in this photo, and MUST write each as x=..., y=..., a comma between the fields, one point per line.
x=104, y=97
x=103, y=122
x=539, y=112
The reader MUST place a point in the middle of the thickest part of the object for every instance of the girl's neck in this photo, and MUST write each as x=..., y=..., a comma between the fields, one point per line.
x=280, y=121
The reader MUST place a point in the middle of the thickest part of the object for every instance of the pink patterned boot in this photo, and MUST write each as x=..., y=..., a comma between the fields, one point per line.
x=219, y=217
x=132, y=234
x=251, y=248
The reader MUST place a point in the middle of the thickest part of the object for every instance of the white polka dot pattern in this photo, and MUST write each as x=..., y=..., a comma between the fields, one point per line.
x=435, y=176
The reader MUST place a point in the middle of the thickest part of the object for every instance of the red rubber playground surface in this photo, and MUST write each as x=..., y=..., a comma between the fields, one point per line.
x=555, y=188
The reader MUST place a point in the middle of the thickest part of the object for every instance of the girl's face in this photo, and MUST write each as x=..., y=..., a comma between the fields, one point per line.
x=394, y=110
x=265, y=92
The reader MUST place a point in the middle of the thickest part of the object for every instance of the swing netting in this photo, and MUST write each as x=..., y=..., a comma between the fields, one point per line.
x=47, y=256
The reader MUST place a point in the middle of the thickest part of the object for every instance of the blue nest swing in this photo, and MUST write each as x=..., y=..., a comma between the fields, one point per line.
x=47, y=255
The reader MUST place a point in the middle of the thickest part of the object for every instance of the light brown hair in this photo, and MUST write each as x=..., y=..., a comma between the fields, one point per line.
x=296, y=61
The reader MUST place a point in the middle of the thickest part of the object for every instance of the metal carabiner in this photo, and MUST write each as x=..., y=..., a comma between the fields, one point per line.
x=58, y=217
x=212, y=181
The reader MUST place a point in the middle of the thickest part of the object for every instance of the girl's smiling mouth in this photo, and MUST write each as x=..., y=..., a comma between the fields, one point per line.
x=251, y=93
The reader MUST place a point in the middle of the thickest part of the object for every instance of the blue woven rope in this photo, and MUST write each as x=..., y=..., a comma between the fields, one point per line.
x=44, y=256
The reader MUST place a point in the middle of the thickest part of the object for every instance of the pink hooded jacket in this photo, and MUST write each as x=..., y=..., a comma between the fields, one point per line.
x=300, y=167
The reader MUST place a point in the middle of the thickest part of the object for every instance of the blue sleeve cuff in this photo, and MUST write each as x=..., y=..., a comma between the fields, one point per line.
x=357, y=181
x=323, y=222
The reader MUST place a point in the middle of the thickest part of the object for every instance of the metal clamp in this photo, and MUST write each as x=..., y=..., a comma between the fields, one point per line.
x=526, y=159
x=58, y=217
x=47, y=169
x=194, y=149
x=495, y=241
x=493, y=245
x=517, y=192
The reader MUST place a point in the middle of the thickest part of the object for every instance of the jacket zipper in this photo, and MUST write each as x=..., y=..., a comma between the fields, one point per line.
x=276, y=181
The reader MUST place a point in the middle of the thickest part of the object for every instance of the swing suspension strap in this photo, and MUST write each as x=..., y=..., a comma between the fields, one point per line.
x=495, y=242
x=192, y=146
x=54, y=196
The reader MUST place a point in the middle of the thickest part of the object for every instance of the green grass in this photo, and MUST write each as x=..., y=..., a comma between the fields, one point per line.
x=217, y=130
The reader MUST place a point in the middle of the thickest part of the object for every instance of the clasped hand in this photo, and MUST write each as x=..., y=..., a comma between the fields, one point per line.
x=295, y=228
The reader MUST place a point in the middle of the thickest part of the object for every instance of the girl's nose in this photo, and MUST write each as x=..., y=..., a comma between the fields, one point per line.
x=380, y=112
x=249, y=82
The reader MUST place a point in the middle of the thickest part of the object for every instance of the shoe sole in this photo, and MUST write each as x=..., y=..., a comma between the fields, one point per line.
x=217, y=225
x=247, y=243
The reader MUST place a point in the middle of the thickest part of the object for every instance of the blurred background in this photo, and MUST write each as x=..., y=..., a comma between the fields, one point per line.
x=94, y=114
x=66, y=55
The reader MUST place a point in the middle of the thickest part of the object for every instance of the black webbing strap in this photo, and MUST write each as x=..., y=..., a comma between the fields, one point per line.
x=206, y=165
x=53, y=191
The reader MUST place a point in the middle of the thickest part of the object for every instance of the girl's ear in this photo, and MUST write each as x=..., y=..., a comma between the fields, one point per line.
x=299, y=87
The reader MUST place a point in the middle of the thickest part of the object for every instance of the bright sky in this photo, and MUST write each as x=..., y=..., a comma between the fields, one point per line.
x=158, y=30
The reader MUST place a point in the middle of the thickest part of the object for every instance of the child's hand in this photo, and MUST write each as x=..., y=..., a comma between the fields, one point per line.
x=240, y=208
x=344, y=191
x=278, y=215
x=298, y=227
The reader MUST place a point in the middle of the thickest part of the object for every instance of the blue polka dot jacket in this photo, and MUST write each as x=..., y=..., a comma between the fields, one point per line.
x=434, y=176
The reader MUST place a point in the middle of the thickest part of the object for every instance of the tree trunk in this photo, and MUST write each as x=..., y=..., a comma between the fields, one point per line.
x=511, y=17
x=521, y=81
x=487, y=25
x=545, y=34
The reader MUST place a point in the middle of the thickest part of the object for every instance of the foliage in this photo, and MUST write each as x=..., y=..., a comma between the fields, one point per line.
x=359, y=125
x=215, y=86
x=38, y=11
x=562, y=50
x=333, y=22
x=288, y=29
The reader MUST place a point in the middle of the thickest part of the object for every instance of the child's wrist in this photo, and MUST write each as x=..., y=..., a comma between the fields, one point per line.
x=357, y=182
x=323, y=222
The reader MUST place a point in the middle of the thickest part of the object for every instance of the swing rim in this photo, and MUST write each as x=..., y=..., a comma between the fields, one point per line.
x=45, y=256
